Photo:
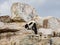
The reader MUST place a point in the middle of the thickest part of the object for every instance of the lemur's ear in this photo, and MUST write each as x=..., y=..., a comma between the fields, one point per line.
x=26, y=25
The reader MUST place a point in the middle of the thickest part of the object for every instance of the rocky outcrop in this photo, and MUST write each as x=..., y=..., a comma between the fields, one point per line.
x=11, y=27
x=13, y=32
x=52, y=23
x=5, y=19
x=48, y=22
x=56, y=41
x=22, y=11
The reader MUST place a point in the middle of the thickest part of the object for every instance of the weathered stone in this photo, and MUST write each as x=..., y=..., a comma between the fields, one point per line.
x=5, y=19
x=56, y=41
x=47, y=22
x=13, y=32
x=22, y=11
x=23, y=39
x=52, y=23
x=45, y=33
x=11, y=27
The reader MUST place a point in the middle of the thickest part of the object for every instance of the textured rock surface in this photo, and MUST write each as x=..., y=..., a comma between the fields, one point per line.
x=15, y=25
x=22, y=39
x=48, y=22
x=5, y=19
x=22, y=11
x=14, y=33
x=52, y=23
x=56, y=41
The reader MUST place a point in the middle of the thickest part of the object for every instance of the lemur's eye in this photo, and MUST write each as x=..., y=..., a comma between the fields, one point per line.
x=30, y=23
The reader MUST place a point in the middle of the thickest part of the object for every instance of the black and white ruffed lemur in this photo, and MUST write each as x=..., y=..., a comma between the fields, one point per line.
x=31, y=26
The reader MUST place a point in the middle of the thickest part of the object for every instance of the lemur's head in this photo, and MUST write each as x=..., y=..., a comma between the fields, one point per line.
x=26, y=26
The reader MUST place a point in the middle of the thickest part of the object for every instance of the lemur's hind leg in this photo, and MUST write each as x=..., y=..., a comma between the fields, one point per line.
x=34, y=28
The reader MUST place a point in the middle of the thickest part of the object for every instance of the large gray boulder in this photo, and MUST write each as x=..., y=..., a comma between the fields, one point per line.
x=22, y=11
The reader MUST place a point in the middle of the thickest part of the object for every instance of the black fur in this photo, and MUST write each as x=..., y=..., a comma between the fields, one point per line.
x=34, y=28
x=26, y=26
